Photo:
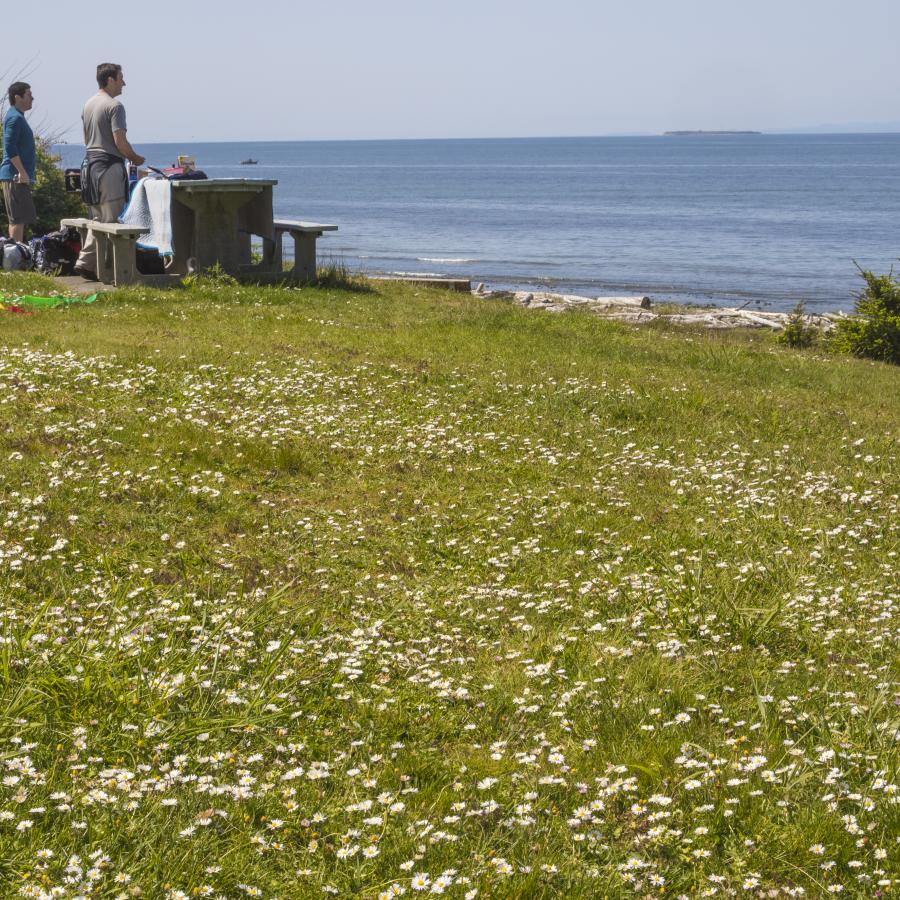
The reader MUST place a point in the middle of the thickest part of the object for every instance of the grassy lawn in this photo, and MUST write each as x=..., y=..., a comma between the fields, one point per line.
x=318, y=592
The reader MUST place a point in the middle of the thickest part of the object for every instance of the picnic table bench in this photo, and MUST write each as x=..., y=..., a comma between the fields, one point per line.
x=305, y=235
x=115, y=248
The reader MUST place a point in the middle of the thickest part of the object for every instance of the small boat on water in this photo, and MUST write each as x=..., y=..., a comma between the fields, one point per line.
x=249, y=162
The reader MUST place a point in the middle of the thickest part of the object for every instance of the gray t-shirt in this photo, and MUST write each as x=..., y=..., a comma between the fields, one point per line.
x=101, y=117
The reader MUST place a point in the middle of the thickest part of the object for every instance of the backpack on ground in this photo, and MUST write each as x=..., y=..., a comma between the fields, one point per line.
x=56, y=253
x=16, y=256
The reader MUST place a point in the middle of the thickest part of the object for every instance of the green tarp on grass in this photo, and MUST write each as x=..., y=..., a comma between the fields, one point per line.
x=49, y=302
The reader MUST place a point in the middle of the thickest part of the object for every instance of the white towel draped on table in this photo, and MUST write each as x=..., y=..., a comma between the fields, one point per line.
x=150, y=208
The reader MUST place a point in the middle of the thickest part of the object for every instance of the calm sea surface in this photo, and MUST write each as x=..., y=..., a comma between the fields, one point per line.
x=761, y=220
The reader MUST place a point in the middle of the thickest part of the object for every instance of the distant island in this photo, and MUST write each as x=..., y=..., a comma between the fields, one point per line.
x=684, y=133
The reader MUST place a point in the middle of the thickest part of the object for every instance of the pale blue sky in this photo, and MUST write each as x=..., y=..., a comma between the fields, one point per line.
x=313, y=69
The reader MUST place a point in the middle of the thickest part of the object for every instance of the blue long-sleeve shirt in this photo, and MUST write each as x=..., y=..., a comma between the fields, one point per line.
x=18, y=140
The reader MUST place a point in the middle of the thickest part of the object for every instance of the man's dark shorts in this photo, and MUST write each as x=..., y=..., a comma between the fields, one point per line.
x=19, y=203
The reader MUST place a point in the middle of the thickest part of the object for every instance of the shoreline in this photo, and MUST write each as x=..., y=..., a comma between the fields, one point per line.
x=690, y=298
x=643, y=310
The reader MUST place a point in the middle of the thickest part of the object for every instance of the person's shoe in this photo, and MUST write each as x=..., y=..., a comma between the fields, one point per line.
x=87, y=274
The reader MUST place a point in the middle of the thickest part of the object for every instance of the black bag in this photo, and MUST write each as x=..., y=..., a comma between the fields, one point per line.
x=176, y=173
x=195, y=175
x=73, y=181
x=57, y=252
x=149, y=262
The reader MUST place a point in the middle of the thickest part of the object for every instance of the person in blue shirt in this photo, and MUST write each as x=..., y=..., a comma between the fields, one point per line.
x=17, y=167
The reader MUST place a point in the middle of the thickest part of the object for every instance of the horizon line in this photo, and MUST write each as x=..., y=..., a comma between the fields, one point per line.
x=794, y=132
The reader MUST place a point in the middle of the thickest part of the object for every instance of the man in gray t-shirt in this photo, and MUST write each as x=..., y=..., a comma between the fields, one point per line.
x=107, y=149
x=103, y=116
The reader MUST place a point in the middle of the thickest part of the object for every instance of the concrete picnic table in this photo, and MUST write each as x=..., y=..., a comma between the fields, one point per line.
x=213, y=220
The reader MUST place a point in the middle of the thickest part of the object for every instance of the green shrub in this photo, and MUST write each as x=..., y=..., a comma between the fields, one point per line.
x=49, y=191
x=798, y=333
x=874, y=332
x=215, y=276
x=334, y=273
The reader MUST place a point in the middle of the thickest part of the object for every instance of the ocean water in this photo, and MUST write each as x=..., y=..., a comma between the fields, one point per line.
x=761, y=220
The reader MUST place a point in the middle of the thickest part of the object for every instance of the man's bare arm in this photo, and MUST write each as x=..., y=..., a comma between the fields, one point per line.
x=20, y=168
x=126, y=149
